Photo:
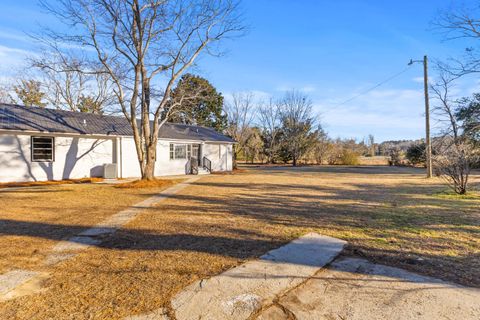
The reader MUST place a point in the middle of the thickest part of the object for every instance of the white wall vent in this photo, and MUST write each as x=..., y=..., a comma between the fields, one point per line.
x=110, y=171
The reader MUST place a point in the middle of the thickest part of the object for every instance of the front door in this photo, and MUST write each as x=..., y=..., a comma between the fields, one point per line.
x=196, y=154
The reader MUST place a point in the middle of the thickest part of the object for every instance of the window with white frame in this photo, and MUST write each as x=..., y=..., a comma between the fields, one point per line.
x=180, y=151
x=43, y=149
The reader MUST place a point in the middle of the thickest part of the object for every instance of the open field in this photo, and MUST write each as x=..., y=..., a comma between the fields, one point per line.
x=389, y=215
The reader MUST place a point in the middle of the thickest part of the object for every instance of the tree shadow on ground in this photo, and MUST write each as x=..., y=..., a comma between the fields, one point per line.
x=241, y=245
x=392, y=224
x=402, y=225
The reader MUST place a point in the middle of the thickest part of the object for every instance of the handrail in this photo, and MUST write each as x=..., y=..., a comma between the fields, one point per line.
x=207, y=164
x=194, y=166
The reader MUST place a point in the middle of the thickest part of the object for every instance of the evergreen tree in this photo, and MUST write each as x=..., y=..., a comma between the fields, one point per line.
x=200, y=103
x=29, y=93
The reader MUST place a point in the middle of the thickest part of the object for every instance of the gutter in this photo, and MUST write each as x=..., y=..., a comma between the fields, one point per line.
x=100, y=136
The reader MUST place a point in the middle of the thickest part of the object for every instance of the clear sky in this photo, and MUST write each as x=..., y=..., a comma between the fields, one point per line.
x=331, y=50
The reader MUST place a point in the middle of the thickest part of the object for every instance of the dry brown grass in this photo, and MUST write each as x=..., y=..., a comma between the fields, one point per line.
x=34, y=219
x=48, y=183
x=389, y=215
x=147, y=184
x=374, y=161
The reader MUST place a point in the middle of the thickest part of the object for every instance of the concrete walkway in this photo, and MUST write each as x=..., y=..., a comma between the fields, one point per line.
x=240, y=292
x=356, y=289
x=20, y=282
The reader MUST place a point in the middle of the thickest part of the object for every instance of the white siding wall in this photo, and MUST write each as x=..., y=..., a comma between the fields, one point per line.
x=129, y=164
x=220, y=155
x=77, y=157
x=74, y=158
x=164, y=166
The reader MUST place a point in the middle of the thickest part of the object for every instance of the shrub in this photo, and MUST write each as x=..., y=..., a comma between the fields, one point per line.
x=454, y=164
x=349, y=158
x=416, y=154
x=395, y=157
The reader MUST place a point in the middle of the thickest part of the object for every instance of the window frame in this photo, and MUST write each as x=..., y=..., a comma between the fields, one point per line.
x=172, y=151
x=173, y=148
x=32, y=149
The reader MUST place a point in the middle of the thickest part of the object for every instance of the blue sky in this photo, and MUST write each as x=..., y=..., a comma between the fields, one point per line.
x=331, y=50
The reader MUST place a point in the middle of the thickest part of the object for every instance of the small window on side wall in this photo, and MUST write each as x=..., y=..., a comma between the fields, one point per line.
x=172, y=153
x=43, y=149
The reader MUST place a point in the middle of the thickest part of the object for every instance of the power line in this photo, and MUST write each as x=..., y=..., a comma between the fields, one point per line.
x=396, y=75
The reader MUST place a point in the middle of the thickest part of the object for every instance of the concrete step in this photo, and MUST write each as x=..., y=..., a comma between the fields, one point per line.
x=203, y=171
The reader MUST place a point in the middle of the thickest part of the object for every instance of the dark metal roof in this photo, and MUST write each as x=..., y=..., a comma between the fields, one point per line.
x=21, y=118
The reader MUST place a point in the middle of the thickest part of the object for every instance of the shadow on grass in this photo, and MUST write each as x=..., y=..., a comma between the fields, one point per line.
x=242, y=246
x=392, y=224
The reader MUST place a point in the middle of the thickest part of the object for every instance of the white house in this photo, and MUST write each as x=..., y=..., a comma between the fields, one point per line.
x=39, y=144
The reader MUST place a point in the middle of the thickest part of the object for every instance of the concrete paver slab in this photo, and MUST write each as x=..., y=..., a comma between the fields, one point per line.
x=240, y=292
x=357, y=289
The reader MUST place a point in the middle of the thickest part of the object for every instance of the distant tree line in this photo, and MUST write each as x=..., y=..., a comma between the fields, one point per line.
x=286, y=130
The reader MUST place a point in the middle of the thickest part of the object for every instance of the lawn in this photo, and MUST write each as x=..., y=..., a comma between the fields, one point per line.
x=33, y=219
x=388, y=215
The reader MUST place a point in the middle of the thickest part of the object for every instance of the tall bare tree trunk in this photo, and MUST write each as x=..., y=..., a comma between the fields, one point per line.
x=234, y=156
x=149, y=169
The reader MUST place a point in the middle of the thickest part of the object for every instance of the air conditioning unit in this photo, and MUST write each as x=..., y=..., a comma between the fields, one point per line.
x=110, y=171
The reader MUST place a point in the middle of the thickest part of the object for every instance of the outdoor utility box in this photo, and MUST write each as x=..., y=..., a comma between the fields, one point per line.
x=110, y=171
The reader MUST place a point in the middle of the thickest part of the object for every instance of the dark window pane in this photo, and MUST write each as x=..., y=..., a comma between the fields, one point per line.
x=42, y=148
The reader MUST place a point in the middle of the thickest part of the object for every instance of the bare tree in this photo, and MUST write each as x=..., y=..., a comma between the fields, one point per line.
x=70, y=84
x=270, y=122
x=4, y=95
x=461, y=22
x=371, y=145
x=323, y=147
x=298, y=125
x=453, y=163
x=253, y=145
x=444, y=104
x=240, y=114
x=144, y=46
x=455, y=153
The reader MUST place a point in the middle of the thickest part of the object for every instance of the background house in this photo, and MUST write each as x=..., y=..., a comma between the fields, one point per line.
x=43, y=144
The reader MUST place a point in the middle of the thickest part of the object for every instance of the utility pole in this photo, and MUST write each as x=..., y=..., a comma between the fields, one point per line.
x=428, y=142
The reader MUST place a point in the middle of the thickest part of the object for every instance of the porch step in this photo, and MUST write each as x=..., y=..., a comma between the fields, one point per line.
x=203, y=171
